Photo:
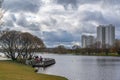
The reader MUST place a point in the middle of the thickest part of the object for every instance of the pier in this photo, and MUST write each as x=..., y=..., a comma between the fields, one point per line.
x=44, y=63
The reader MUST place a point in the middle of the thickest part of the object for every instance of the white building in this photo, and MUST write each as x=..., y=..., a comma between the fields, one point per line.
x=110, y=35
x=106, y=35
x=101, y=35
x=87, y=41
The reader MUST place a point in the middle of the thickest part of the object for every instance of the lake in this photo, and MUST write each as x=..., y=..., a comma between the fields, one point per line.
x=75, y=67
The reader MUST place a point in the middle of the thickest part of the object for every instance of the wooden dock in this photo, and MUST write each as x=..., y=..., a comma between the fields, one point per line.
x=44, y=63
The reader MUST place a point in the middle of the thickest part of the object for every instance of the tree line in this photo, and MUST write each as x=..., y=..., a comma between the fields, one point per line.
x=91, y=50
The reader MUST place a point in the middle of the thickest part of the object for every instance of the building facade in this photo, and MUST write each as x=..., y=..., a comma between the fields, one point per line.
x=106, y=35
x=110, y=35
x=87, y=41
x=101, y=35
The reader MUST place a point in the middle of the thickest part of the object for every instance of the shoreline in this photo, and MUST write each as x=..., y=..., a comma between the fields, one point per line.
x=78, y=54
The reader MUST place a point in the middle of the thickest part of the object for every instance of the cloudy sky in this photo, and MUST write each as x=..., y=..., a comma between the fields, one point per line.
x=60, y=21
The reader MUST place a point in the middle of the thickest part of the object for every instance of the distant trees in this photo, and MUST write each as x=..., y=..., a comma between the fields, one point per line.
x=75, y=47
x=116, y=47
x=60, y=49
x=18, y=45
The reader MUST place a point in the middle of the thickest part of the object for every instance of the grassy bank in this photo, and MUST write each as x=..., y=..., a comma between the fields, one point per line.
x=13, y=71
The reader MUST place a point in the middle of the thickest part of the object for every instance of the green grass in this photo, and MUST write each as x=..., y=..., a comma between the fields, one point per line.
x=13, y=71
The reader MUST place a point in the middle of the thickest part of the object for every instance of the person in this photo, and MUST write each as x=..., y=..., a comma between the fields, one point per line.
x=37, y=59
x=41, y=59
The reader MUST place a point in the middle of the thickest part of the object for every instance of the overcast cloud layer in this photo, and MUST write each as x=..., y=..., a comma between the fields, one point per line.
x=60, y=21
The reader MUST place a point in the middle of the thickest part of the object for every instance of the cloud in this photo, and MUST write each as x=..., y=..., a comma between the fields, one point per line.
x=61, y=21
x=22, y=21
x=60, y=37
x=66, y=3
x=19, y=6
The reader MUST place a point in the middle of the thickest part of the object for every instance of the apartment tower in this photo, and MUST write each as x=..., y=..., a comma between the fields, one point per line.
x=87, y=41
x=106, y=35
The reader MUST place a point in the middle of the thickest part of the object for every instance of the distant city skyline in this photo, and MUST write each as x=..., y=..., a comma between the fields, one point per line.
x=60, y=21
x=105, y=37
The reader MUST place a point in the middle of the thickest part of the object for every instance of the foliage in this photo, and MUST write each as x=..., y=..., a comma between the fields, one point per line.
x=16, y=44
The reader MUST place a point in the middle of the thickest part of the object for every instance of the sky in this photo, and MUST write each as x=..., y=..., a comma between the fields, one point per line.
x=60, y=22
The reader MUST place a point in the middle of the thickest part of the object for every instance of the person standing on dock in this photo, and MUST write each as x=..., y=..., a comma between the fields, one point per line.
x=37, y=59
x=41, y=59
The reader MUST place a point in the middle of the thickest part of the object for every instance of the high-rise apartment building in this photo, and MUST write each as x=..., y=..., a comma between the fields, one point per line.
x=101, y=34
x=83, y=41
x=110, y=35
x=87, y=41
x=106, y=35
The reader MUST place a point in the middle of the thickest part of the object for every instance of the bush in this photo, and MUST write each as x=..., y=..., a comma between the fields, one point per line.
x=118, y=51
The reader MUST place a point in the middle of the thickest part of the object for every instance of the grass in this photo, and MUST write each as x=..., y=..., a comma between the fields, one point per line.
x=13, y=71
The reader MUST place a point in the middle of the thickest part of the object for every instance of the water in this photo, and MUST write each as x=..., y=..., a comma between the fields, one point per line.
x=2, y=57
x=76, y=67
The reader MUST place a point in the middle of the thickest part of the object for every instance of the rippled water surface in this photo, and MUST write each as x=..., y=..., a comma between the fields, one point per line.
x=76, y=67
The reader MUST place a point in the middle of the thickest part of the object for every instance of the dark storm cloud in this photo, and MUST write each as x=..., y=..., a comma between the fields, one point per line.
x=67, y=1
x=9, y=22
x=61, y=36
x=54, y=39
x=87, y=28
x=23, y=22
x=76, y=3
x=95, y=16
x=50, y=22
x=22, y=5
x=111, y=2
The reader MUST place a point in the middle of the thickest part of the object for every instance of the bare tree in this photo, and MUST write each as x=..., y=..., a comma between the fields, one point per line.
x=9, y=42
x=18, y=45
x=29, y=45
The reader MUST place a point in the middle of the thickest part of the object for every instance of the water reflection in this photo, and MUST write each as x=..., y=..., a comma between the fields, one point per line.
x=108, y=68
x=84, y=67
